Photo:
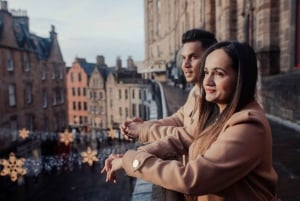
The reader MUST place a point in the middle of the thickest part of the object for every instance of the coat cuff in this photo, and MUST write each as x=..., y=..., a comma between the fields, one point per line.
x=134, y=160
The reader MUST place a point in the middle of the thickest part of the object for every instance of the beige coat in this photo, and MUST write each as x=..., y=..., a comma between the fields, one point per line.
x=237, y=166
x=186, y=116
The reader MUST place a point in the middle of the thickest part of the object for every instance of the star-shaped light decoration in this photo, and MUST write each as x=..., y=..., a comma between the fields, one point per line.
x=12, y=167
x=89, y=156
x=111, y=133
x=24, y=133
x=66, y=137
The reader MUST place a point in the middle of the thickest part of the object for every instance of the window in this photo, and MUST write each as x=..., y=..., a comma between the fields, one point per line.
x=120, y=94
x=134, y=110
x=120, y=111
x=26, y=62
x=61, y=72
x=78, y=91
x=72, y=77
x=74, y=105
x=30, y=122
x=84, y=106
x=79, y=77
x=43, y=71
x=12, y=95
x=141, y=110
x=140, y=94
x=101, y=95
x=28, y=93
x=46, y=124
x=55, y=122
x=10, y=61
x=62, y=95
x=95, y=83
x=126, y=94
x=79, y=105
x=54, y=98
x=62, y=120
x=73, y=91
x=84, y=91
x=14, y=127
x=53, y=71
x=45, y=101
x=126, y=112
x=133, y=94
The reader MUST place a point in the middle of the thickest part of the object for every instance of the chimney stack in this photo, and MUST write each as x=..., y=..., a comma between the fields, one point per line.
x=3, y=5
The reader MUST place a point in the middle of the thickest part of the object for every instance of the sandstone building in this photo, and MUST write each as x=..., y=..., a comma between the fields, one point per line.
x=32, y=76
x=272, y=27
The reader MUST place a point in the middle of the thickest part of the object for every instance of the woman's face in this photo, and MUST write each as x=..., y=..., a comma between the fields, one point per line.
x=219, y=78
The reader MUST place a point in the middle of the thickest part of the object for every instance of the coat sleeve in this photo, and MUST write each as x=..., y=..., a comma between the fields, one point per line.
x=229, y=159
x=153, y=130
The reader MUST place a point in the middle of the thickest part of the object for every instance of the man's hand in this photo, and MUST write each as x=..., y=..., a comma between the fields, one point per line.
x=112, y=164
x=130, y=127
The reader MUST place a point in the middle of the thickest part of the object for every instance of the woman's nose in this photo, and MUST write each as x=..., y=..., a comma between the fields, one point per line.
x=209, y=79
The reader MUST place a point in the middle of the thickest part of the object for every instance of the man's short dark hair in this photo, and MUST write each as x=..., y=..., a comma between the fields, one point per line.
x=206, y=38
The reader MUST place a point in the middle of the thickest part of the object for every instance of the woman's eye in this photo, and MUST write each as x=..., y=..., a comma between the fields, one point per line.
x=221, y=74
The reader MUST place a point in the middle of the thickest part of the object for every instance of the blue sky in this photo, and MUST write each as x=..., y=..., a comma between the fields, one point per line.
x=89, y=28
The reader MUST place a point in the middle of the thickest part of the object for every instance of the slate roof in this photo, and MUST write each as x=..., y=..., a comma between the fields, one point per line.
x=26, y=40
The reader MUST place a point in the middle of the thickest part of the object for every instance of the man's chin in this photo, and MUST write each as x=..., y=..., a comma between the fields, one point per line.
x=189, y=80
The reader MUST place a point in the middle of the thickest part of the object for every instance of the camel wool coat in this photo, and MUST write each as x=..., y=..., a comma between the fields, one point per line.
x=186, y=116
x=237, y=166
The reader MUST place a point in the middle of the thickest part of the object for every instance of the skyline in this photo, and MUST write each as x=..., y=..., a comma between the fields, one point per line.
x=89, y=28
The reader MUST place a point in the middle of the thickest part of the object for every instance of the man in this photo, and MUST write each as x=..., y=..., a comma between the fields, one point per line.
x=195, y=42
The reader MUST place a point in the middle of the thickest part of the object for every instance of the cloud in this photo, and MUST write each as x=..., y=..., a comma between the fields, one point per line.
x=88, y=28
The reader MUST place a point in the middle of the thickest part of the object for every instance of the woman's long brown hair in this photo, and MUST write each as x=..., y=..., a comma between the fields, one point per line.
x=244, y=64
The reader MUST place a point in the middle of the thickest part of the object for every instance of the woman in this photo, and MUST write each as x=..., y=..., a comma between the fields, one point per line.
x=230, y=157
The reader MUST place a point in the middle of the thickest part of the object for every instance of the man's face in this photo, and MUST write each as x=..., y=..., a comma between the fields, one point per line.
x=191, y=58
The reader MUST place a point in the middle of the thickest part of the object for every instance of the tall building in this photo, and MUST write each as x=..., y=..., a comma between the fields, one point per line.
x=128, y=95
x=271, y=27
x=97, y=107
x=77, y=86
x=32, y=76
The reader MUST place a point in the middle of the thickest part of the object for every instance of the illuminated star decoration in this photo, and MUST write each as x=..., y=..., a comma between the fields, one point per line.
x=89, y=156
x=23, y=133
x=111, y=133
x=66, y=137
x=12, y=167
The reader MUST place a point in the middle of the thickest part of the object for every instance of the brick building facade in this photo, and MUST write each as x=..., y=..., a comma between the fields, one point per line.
x=272, y=27
x=32, y=76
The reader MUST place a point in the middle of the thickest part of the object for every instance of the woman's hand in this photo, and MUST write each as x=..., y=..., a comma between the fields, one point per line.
x=112, y=164
x=130, y=127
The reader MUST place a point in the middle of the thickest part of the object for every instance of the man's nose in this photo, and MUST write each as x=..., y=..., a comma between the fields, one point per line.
x=186, y=63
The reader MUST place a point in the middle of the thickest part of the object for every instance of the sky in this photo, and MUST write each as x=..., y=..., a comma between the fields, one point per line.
x=89, y=28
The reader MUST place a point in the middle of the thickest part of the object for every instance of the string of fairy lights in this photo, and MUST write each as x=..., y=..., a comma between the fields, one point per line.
x=76, y=157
